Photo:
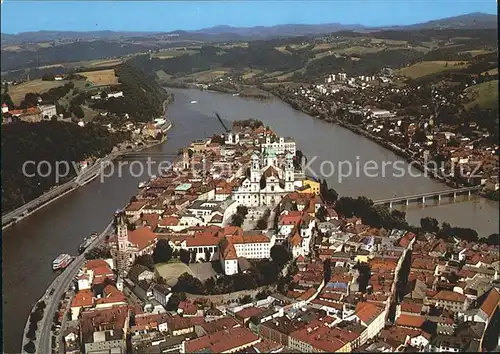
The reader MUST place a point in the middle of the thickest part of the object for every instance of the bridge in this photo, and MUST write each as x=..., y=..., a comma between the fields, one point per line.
x=452, y=194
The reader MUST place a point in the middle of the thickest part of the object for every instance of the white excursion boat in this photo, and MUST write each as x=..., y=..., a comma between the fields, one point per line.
x=62, y=261
x=193, y=101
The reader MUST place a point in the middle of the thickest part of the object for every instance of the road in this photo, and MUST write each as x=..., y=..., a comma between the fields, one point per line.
x=79, y=180
x=60, y=284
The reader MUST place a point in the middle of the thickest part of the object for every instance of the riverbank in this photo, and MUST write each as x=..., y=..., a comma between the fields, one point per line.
x=401, y=152
x=78, y=181
x=53, y=295
x=246, y=91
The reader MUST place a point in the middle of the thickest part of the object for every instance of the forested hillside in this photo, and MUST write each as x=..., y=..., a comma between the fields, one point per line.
x=46, y=141
x=77, y=51
x=143, y=96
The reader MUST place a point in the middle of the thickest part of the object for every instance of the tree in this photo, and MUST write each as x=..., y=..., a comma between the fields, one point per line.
x=77, y=110
x=321, y=213
x=364, y=275
x=184, y=256
x=493, y=240
x=188, y=284
x=297, y=160
x=146, y=260
x=29, y=347
x=193, y=256
x=31, y=333
x=280, y=255
x=174, y=301
x=162, y=252
x=245, y=300
x=429, y=224
x=30, y=100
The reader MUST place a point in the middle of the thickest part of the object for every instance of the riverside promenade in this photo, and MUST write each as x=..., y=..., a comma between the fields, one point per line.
x=59, y=287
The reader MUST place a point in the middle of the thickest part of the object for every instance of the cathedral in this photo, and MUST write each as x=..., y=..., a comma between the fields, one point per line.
x=271, y=177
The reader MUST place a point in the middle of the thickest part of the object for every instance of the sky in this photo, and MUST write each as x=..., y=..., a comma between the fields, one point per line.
x=163, y=16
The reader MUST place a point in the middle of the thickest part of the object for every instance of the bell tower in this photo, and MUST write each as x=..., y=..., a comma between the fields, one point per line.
x=185, y=159
x=121, y=254
x=289, y=173
x=121, y=230
x=255, y=169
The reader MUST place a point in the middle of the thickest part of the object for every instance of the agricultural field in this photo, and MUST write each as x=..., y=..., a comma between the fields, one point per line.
x=491, y=72
x=476, y=52
x=425, y=68
x=163, y=76
x=251, y=74
x=210, y=75
x=484, y=94
x=92, y=63
x=169, y=53
x=18, y=92
x=283, y=50
x=101, y=77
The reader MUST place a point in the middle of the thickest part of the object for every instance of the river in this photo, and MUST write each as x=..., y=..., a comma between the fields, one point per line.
x=30, y=246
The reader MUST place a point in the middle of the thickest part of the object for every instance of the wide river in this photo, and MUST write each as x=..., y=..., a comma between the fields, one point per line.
x=30, y=246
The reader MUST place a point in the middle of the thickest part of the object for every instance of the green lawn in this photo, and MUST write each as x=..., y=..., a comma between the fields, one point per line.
x=425, y=68
x=484, y=94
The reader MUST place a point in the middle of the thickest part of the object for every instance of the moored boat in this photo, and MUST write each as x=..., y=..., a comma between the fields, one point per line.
x=62, y=261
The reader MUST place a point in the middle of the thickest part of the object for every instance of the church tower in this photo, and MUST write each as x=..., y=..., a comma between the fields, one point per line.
x=185, y=159
x=289, y=173
x=122, y=256
x=255, y=172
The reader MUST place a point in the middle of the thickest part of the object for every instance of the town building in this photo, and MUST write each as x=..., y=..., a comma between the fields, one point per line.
x=268, y=182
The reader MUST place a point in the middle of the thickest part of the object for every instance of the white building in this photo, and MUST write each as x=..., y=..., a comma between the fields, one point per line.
x=246, y=246
x=266, y=185
x=48, y=111
x=281, y=145
x=232, y=139
x=115, y=94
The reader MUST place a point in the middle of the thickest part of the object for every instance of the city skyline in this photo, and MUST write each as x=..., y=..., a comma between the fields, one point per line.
x=171, y=16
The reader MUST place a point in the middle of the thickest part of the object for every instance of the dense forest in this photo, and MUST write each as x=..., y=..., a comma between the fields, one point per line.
x=46, y=141
x=143, y=96
x=258, y=55
x=77, y=51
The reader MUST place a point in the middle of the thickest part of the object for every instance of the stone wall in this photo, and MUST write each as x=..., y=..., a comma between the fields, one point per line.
x=225, y=298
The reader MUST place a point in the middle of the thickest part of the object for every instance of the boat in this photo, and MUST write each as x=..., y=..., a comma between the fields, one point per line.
x=141, y=184
x=193, y=101
x=87, y=242
x=236, y=94
x=62, y=261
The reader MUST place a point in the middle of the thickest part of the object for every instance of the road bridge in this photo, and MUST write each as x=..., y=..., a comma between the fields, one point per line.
x=452, y=194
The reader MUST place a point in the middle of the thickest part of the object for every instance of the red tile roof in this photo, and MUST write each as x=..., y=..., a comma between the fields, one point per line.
x=223, y=341
x=83, y=298
x=249, y=312
x=491, y=302
x=446, y=295
x=141, y=237
x=410, y=321
x=367, y=312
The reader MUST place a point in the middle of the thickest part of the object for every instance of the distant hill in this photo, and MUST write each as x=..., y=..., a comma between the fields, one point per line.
x=286, y=30
x=227, y=33
x=45, y=36
x=476, y=20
